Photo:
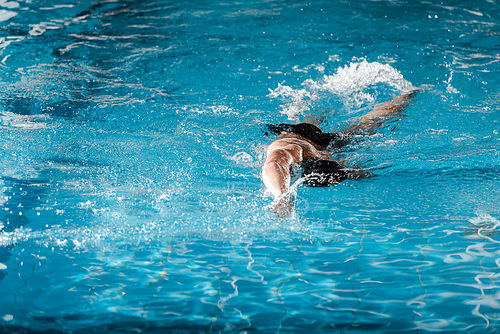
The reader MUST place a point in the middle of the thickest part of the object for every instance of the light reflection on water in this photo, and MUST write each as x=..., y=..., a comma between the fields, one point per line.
x=342, y=274
x=132, y=143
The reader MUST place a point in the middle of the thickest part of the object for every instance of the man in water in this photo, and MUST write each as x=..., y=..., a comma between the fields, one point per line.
x=306, y=144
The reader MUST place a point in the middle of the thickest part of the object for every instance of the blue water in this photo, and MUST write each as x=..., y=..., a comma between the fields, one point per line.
x=131, y=150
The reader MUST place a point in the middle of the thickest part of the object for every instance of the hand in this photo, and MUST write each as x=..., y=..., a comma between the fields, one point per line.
x=282, y=206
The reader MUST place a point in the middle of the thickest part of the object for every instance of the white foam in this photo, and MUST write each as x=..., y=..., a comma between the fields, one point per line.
x=350, y=84
x=357, y=77
x=483, y=218
x=298, y=100
x=242, y=158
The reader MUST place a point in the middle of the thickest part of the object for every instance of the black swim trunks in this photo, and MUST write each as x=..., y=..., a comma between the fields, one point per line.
x=316, y=172
x=323, y=173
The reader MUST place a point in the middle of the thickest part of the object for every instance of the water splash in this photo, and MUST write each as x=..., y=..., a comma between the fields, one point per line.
x=300, y=100
x=354, y=79
x=484, y=226
x=352, y=84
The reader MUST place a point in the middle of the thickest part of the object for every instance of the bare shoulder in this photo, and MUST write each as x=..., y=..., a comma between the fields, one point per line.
x=294, y=143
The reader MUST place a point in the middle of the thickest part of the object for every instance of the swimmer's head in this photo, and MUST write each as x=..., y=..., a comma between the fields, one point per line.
x=306, y=130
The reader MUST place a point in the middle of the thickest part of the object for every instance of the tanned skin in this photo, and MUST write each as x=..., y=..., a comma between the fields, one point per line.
x=292, y=148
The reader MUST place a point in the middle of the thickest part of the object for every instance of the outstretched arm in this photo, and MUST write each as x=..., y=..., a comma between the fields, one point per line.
x=383, y=112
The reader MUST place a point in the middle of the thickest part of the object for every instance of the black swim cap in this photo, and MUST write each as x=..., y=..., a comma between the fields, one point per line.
x=306, y=130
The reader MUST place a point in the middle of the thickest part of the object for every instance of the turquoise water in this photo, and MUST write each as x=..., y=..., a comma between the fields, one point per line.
x=131, y=150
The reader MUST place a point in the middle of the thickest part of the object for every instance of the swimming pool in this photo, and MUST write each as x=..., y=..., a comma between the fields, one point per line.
x=132, y=144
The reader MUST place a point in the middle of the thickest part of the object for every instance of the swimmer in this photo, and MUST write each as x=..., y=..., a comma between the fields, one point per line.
x=305, y=144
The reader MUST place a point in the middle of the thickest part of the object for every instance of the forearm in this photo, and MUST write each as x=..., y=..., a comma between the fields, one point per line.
x=398, y=104
x=380, y=114
x=276, y=177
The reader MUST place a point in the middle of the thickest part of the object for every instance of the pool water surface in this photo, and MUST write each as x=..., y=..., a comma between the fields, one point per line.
x=132, y=141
